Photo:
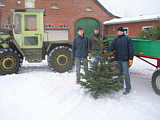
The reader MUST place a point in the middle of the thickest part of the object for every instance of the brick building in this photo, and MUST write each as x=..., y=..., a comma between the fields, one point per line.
x=60, y=14
x=132, y=25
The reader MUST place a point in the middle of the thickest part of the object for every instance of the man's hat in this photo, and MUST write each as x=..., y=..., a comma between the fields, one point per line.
x=120, y=29
x=79, y=28
x=96, y=28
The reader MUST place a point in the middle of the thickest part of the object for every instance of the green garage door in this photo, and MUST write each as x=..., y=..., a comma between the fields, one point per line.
x=87, y=24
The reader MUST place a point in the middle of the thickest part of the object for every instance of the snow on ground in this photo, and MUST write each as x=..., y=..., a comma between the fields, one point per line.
x=40, y=94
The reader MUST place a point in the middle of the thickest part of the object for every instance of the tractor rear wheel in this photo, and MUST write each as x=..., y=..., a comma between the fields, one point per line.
x=9, y=62
x=59, y=59
x=156, y=82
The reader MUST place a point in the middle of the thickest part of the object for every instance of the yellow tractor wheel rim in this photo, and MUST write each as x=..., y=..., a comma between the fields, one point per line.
x=62, y=60
x=11, y=62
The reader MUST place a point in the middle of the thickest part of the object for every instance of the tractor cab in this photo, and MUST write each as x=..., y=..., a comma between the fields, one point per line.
x=28, y=33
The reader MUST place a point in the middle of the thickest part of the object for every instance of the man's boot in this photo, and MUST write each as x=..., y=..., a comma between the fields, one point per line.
x=127, y=91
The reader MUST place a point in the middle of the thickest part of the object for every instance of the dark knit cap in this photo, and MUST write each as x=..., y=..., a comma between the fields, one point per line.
x=96, y=28
x=79, y=28
x=120, y=29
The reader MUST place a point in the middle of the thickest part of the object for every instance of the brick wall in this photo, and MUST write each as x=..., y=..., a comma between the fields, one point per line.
x=70, y=11
x=6, y=10
x=133, y=28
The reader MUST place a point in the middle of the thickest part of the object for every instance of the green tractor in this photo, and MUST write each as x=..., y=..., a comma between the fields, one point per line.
x=29, y=40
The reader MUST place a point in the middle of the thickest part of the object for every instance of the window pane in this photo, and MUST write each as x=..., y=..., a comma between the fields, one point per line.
x=56, y=35
x=30, y=22
x=29, y=3
x=31, y=41
x=146, y=28
x=125, y=31
x=17, y=23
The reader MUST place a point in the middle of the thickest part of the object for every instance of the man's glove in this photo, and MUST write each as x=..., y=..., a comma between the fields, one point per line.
x=130, y=63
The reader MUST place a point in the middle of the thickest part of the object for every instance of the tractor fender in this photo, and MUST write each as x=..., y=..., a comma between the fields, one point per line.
x=54, y=45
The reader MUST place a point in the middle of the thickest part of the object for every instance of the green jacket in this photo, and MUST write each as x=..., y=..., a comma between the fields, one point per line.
x=93, y=43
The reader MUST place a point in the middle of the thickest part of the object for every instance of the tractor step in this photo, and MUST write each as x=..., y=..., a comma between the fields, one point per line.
x=33, y=55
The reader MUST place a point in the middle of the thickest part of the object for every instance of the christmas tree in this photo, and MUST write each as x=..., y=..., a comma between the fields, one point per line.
x=103, y=76
x=152, y=33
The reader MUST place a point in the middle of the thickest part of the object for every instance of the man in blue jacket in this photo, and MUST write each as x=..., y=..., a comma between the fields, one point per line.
x=124, y=52
x=80, y=52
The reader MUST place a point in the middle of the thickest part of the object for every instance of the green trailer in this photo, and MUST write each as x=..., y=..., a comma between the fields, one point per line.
x=147, y=49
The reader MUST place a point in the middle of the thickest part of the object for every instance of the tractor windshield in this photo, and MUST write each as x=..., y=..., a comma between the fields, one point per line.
x=30, y=22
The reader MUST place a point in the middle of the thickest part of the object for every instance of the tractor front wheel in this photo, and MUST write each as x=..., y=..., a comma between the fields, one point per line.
x=156, y=82
x=59, y=59
x=9, y=62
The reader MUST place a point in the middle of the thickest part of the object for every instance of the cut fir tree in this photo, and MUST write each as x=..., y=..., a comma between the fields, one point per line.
x=102, y=77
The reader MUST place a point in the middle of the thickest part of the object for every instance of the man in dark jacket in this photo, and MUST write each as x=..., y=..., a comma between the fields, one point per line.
x=94, y=44
x=80, y=52
x=124, y=52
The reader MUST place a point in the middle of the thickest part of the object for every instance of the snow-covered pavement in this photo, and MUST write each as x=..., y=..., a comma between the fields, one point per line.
x=40, y=94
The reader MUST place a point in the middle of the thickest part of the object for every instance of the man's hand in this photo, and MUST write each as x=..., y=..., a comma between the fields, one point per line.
x=130, y=63
x=89, y=55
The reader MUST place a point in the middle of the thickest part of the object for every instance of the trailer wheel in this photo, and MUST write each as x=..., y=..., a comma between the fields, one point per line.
x=59, y=59
x=156, y=82
x=9, y=62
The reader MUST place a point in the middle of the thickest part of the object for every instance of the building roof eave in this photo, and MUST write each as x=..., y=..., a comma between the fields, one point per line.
x=116, y=21
x=104, y=9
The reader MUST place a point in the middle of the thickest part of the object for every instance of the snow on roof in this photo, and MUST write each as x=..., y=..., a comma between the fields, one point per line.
x=132, y=19
x=111, y=7
x=128, y=8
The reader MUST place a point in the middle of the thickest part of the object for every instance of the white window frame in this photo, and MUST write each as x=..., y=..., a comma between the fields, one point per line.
x=145, y=27
x=88, y=9
x=30, y=3
x=126, y=32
